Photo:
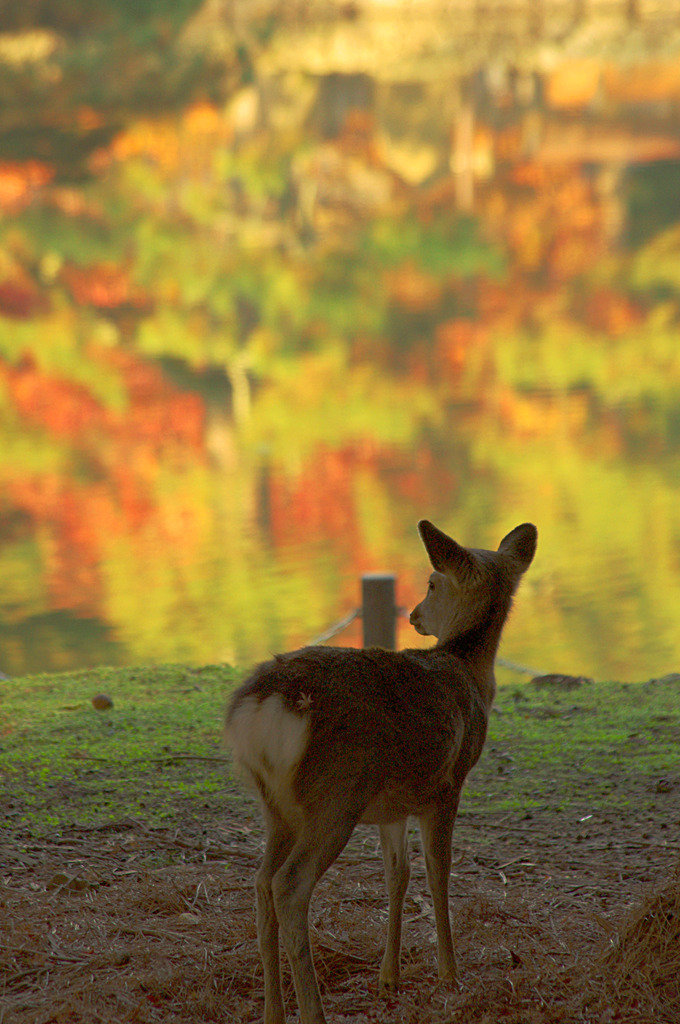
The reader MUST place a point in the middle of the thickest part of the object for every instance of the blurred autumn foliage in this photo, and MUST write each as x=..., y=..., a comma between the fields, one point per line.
x=255, y=322
x=21, y=183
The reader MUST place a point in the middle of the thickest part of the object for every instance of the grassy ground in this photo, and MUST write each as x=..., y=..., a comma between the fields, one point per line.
x=128, y=854
x=156, y=754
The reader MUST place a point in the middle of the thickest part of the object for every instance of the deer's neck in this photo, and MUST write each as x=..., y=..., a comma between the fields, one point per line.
x=474, y=645
x=478, y=645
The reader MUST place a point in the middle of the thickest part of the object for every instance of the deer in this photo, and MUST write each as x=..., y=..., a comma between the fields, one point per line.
x=330, y=737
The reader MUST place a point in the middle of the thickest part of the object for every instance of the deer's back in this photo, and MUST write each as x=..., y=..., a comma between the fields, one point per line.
x=407, y=722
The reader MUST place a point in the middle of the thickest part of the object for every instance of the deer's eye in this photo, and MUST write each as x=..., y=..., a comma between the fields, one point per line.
x=430, y=585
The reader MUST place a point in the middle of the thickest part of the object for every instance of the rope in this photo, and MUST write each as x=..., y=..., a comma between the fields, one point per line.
x=337, y=628
x=526, y=670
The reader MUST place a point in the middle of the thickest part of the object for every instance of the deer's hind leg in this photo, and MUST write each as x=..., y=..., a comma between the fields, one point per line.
x=280, y=840
x=322, y=837
x=394, y=844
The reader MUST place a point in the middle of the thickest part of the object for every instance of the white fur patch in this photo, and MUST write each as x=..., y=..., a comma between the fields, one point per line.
x=270, y=741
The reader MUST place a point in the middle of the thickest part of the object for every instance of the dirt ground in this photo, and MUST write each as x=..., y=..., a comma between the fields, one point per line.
x=127, y=924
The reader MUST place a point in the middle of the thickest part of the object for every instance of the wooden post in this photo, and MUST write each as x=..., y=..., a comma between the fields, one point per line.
x=379, y=610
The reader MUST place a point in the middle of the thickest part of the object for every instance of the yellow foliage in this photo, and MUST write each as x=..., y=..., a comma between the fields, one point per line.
x=544, y=414
x=643, y=83
x=203, y=119
x=155, y=139
x=574, y=84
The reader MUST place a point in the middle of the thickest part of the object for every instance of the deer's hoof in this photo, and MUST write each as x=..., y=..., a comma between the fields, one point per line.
x=388, y=986
x=450, y=978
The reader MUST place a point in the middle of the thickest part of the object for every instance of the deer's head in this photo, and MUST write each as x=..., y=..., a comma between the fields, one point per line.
x=466, y=582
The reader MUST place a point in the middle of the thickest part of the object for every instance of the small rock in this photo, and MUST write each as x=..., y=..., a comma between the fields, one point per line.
x=187, y=918
x=101, y=702
x=671, y=677
x=61, y=880
x=560, y=682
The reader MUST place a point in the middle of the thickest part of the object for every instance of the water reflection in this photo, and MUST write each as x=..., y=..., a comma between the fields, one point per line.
x=246, y=342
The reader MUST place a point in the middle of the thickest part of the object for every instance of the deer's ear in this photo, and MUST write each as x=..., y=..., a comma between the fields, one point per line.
x=444, y=553
x=520, y=544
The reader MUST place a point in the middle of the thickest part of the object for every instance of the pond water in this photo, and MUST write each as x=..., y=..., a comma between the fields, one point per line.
x=274, y=295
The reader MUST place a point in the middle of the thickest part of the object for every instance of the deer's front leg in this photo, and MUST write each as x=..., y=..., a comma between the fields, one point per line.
x=436, y=829
x=279, y=843
x=394, y=843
